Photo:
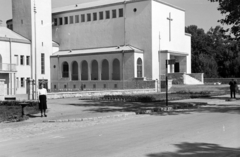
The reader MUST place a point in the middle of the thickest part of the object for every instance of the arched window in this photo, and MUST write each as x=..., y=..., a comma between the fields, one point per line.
x=94, y=70
x=105, y=70
x=74, y=70
x=116, y=69
x=139, y=67
x=84, y=75
x=65, y=70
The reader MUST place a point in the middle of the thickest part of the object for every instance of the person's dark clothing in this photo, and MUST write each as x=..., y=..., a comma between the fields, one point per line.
x=43, y=102
x=233, y=86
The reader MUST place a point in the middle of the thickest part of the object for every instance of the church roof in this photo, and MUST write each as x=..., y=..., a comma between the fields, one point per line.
x=101, y=3
x=95, y=51
x=6, y=34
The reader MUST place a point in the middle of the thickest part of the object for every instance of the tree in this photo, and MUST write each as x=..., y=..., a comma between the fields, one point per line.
x=231, y=8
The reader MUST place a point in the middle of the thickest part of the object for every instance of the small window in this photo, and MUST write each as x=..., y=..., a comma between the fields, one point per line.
x=104, y=86
x=55, y=86
x=28, y=60
x=139, y=67
x=120, y=12
x=107, y=14
x=101, y=15
x=71, y=19
x=115, y=86
x=55, y=22
x=42, y=43
x=21, y=21
x=94, y=16
x=65, y=86
x=21, y=60
x=16, y=59
x=60, y=21
x=114, y=13
x=76, y=18
x=94, y=86
x=42, y=22
x=22, y=82
x=42, y=63
x=88, y=17
x=65, y=20
x=74, y=86
x=83, y=18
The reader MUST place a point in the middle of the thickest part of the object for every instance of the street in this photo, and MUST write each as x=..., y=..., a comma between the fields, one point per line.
x=207, y=132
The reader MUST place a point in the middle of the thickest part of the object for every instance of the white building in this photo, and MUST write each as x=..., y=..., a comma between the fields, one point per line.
x=105, y=41
x=99, y=44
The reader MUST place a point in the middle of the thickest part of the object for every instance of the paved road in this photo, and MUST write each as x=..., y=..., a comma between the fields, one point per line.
x=212, y=131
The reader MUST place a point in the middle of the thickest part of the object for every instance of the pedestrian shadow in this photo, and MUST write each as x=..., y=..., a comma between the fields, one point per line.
x=199, y=150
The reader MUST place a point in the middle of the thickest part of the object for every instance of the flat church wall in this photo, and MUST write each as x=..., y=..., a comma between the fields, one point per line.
x=138, y=33
x=89, y=34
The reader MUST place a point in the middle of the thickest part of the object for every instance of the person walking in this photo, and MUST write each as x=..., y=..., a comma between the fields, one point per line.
x=233, y=86
x=42, y=92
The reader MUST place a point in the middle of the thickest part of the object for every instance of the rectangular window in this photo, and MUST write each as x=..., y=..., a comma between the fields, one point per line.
x=107, y=14
x=21, y=21
x=42, y=63
x=65, y=20
x=83, y=18
x=120, y=12
x=22, y=82
x=60, y=21
x=94, y=16
x=22, y=60
x=28, y=60
x=101, y=15
x=88, y=17
x=42, y=22
x=71, y=19
x=16, y=59
x=55, y=21
x=114, y=13
x=76, y=18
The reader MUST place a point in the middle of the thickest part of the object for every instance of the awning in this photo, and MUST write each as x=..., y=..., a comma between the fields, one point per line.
x=175, y=53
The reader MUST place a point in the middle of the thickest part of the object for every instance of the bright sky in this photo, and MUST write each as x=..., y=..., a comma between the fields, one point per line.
x=202, y=13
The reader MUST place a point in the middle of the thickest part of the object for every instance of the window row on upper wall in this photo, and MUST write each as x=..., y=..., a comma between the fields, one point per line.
x=101, y=15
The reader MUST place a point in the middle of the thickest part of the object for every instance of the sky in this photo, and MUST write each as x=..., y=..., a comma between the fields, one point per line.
x=202, y=13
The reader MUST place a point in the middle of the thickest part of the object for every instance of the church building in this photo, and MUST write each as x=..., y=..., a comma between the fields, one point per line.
x=95, y=45
x=103, y=43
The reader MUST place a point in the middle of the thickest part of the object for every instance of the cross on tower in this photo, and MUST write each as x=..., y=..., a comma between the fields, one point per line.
x=170, y=20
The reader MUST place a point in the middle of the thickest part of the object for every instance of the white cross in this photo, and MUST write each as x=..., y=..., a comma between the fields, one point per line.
x=170, y=20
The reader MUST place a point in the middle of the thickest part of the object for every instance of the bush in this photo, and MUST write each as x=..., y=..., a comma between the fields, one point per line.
x=128, y=98
x=11, y=110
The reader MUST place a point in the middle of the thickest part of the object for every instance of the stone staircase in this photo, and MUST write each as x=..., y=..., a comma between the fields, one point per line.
x=187, y=79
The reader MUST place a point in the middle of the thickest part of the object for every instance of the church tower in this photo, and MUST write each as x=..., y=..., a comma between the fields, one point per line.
x=33, y=20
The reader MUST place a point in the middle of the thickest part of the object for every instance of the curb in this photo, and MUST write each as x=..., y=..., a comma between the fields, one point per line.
x=171, y=108
x=89, y=119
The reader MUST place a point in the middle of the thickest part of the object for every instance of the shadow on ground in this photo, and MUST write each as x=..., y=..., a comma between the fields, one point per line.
x=199, y=150
x=97, y=106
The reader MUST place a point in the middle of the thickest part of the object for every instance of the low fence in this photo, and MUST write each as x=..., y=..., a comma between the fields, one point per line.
x=64, y=86
x=220, y=80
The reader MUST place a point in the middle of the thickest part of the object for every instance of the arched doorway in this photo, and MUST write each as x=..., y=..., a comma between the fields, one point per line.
x=74, y=70
x=139, y=67
x=65, y=70
x=84, y=74
x=94, y=70
x=105, y=70
x=116, y=69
